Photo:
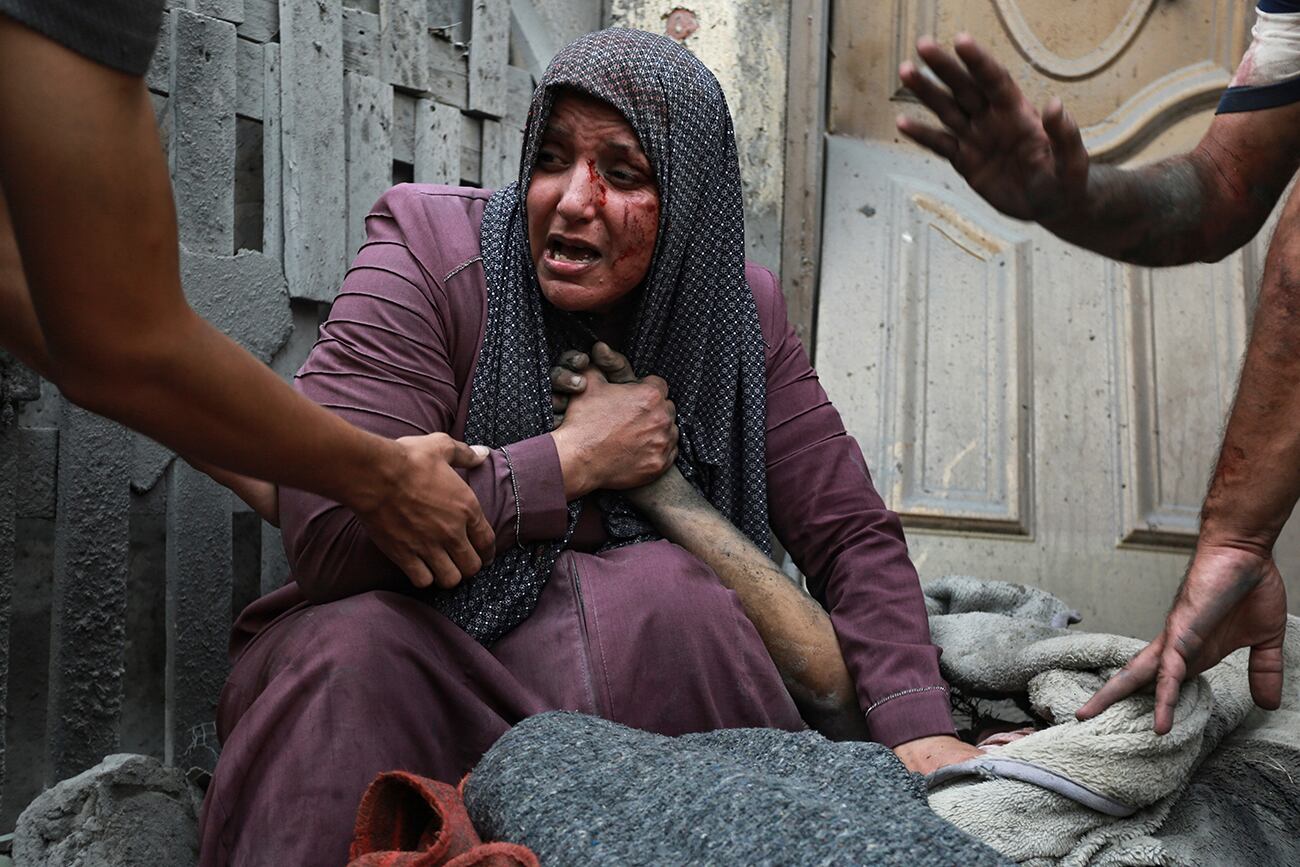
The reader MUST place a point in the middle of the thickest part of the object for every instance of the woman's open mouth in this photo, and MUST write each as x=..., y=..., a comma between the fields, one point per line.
x=569, y=257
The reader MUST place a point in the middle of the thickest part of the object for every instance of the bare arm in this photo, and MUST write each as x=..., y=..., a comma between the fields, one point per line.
x=20, y=332
x=1233, y=595
x=81, y=167
x=1199, y=206
x=795, y=630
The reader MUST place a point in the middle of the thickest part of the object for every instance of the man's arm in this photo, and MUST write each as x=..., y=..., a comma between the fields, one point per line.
x=1233, y=595
x=1198, y=206
x=87, y=189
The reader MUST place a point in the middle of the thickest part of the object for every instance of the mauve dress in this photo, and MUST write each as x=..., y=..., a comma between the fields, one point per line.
x=347, y=672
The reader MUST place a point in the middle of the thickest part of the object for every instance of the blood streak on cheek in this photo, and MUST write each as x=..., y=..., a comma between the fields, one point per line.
x=594, y=177
x=637, y=235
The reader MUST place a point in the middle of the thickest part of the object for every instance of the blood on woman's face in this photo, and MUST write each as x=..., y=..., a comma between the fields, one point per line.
x=593, y=206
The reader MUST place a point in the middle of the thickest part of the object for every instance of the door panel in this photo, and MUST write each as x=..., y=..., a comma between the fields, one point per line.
x=1036, y=413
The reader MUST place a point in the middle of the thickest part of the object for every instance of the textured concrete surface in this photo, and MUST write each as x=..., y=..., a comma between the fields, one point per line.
x=38, y=455
x=226, y=10
x=369, y=147
x=17, y=385
x=203, y=144
x=403, y=43
x=272, y=166
x=314, y=183
x=489, y=54
x=8, y=511
x=261, y=20
x=29, y=667
x=198, y=613
x=250, y=91
x=437, y=143
x=744, y=44
x=88, y=609
x=127, y=811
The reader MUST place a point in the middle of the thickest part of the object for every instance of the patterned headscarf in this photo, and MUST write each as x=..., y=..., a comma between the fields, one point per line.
x=696, y=323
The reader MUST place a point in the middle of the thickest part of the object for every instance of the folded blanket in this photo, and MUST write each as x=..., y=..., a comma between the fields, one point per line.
x=579, y=790
x=1218, y=789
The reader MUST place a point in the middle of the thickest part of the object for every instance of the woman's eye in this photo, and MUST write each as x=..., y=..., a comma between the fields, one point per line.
x=623, y=176
x=547, y=158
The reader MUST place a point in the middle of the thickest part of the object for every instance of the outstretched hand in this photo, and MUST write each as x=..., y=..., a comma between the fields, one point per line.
x=1028, y=166
x=1230, y=599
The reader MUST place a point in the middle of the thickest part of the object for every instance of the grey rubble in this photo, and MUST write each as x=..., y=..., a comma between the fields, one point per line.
x=127, y=811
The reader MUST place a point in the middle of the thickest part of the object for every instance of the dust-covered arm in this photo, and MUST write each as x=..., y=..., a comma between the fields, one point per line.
x=1198, y=206
x=795, y=630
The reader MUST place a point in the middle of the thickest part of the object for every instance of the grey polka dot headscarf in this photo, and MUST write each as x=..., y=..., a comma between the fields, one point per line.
x=696, y=325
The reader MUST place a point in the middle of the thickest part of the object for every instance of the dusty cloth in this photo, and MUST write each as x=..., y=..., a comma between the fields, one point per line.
x=959, y=594
x=1200, y=769
x=696, y=323
x=121, y=34
x=409, y=821
x=582, y=791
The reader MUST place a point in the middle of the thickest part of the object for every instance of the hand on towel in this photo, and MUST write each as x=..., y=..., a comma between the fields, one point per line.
x=927, y=755
x=1230, y=599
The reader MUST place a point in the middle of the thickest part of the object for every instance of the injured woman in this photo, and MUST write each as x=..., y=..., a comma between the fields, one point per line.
x=629, y=512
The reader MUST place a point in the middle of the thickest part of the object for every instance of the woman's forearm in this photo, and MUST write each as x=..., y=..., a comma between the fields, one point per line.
x=795, y=630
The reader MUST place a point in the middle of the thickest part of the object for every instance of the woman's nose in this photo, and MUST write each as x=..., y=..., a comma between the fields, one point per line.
x=581, y=192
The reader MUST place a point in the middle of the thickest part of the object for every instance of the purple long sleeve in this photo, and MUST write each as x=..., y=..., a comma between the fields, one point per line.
x=826, y=512
x=399, y=340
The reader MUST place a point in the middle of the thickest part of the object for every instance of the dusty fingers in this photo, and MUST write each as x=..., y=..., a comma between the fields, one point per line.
x=1138, y=674
x=613, y=364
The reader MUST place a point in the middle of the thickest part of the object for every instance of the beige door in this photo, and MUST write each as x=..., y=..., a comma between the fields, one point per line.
x=1036, y=413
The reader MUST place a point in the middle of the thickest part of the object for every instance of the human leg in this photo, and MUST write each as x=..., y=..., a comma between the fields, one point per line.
x=329, y=696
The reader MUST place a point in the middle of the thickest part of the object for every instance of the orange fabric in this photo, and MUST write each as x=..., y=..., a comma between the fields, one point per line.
x=496, y=855
x=410, y=821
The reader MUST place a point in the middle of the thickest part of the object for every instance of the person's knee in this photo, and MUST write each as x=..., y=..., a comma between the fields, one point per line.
x=366, y=644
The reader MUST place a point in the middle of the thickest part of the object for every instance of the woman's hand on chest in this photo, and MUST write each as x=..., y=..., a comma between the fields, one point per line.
x=617, y=432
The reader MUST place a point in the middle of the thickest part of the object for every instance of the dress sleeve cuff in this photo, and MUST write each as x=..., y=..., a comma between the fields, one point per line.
x=916, y=713
x=539, y=489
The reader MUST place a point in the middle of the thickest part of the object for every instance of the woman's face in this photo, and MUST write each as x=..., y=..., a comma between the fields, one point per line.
x=593, y=206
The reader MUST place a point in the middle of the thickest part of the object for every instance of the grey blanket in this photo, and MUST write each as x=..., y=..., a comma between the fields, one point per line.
x=579, y=790
x=1222, y=788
